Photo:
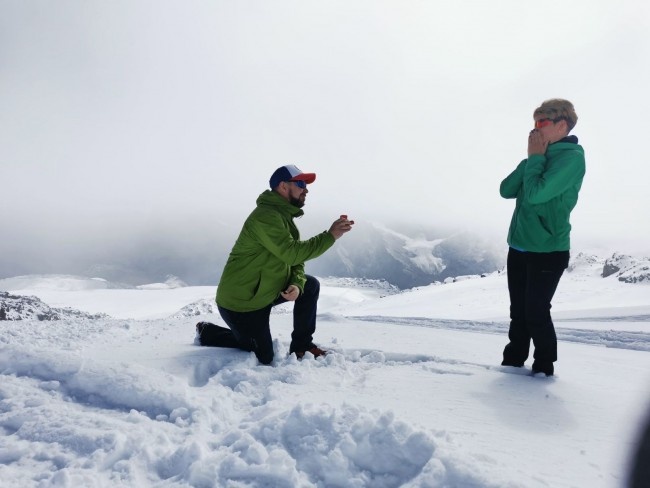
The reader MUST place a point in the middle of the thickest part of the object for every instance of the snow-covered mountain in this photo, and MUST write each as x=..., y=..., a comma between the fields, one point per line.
x=619, y=275
x=403, y=255
x=171, y=281
x=60, y=282
x=627, y=268
x=408, y=257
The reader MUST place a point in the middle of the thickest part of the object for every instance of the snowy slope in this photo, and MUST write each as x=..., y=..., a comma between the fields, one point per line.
x=412, y=394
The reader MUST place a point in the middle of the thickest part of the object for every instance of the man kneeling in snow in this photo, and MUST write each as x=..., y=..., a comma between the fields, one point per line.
x=266, y=267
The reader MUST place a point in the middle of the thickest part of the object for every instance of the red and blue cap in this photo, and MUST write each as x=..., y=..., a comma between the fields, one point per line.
x=290, y=172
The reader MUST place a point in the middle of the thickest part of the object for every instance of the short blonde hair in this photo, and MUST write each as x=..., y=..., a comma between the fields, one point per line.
x=558, y=108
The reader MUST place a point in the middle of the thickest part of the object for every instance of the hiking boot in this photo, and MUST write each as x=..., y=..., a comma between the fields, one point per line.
x=199, y=328
x=546, y=368
x=511, y=363
x=314, y=349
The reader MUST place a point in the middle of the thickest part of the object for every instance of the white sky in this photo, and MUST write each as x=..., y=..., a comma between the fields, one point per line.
x=127, y=115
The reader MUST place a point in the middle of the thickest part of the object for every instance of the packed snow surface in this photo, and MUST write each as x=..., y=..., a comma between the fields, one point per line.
x=412, y=393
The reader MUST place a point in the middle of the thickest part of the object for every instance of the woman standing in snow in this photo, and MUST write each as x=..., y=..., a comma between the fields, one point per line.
x=546, y=187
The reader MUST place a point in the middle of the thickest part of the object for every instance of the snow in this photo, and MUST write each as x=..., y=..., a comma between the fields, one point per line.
x=411, y=395
x=420, y=251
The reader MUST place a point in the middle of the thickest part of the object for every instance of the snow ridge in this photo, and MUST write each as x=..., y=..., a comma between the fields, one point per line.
x=14, y=307
x=200, y=307
x=633, y=340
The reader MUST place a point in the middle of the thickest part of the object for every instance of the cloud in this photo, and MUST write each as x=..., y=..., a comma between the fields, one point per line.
x=130, y=115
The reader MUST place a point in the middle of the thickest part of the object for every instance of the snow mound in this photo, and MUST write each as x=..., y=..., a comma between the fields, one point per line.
x=199, y=307
x=16, y=307
x=54, y=282
x=346, y=446
x=170, y=282
x=382, y=286
x=583, y=264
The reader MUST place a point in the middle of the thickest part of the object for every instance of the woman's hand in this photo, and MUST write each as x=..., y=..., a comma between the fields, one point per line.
x=536, y=143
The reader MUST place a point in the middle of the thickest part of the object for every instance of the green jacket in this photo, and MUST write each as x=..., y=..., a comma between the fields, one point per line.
x=268, y=256
x=546, y=187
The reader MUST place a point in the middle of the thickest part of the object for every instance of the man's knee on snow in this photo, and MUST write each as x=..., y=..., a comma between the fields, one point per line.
x=265, y=359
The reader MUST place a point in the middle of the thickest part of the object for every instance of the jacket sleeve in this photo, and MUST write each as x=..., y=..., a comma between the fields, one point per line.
x=273, y=232
x=512, y=183
x=541, y=185
x=298, y=276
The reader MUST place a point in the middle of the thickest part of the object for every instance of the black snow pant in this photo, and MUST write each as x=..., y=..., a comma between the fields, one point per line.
x=251, y=331
x=532, y=281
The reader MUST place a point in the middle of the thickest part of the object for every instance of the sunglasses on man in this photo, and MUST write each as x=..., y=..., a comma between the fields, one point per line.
x=299, y=183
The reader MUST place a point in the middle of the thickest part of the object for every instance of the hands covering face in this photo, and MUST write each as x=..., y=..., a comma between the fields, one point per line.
x=537, y=143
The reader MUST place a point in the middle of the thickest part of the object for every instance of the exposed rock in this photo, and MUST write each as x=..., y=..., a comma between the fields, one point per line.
x=627, y=268
x=17, y=307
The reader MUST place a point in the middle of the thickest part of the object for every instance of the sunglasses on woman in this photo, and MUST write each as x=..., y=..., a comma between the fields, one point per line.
x=544, y=122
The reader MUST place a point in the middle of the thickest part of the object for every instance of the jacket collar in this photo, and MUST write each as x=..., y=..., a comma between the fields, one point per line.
x=571, y=139
x=269, y=198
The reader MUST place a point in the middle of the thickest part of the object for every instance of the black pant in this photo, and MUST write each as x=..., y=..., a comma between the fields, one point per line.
x=251, y=331
x=532, y=281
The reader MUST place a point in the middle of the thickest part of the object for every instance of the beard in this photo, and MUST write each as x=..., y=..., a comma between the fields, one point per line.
x=296, y=202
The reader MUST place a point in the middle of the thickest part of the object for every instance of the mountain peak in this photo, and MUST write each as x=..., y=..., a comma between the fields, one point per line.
x=627, y=268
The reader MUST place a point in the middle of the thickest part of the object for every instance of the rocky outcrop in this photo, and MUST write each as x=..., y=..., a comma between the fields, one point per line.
x=627, y=268
x=18, y=307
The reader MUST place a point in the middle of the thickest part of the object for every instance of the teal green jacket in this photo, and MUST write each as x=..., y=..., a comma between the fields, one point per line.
x=268, y=256
x=546, y=187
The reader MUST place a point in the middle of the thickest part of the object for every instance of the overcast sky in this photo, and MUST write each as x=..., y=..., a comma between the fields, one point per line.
x=123, y=116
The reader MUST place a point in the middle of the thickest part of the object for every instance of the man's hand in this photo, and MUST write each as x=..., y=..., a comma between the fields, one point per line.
x=291, y=294
x=341, y=226
x=536, y=143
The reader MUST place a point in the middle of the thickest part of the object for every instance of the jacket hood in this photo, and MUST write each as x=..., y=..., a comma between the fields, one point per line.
x=568, y=139
x=569, y=143
x=269, y=198
x=572, y=139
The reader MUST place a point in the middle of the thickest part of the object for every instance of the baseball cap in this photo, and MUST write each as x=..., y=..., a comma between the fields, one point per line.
x=288, y=173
